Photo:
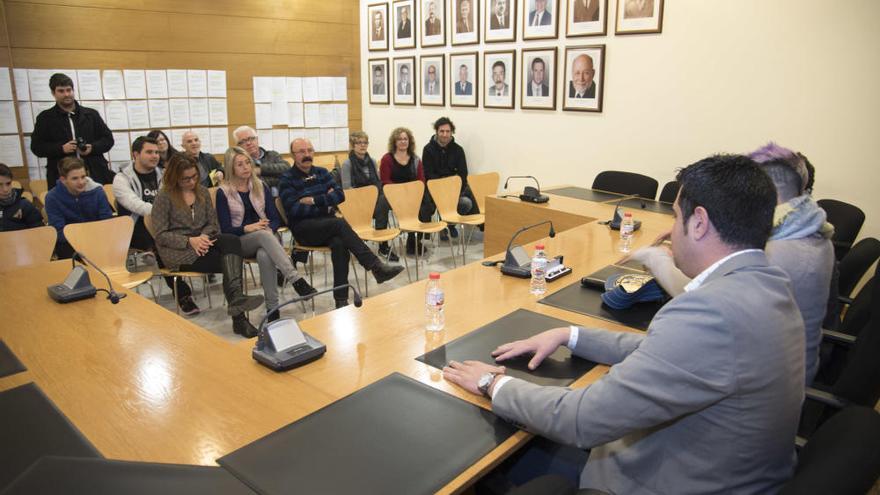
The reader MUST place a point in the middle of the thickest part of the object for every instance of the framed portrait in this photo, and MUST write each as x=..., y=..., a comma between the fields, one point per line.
x=378, y=14
x=540, y=19
x=538, y=88
x=404, y=28
x=433, y=22
x=378, y=81
x=584, y=78
x=500, y=68
x=639, y=16
x=464, y=76
x=586, y=18
x=465, y=21
x=404, y=93
x=500, y=23
x=432, y=85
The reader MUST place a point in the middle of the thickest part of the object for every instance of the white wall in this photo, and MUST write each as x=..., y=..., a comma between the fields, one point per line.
x=724, y=75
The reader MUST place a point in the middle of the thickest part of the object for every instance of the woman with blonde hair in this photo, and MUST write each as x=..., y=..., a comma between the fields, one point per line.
x=246, y=209
x=188, y=237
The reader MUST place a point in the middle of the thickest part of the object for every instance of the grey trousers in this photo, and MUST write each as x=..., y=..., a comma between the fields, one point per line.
x=263, y=245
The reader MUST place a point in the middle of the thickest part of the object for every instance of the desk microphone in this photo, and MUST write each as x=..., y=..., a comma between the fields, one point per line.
x=77, y=285
x=530, y=194
x=614, y=223
x=111, y=294
x=282, y=345
x=516, y=261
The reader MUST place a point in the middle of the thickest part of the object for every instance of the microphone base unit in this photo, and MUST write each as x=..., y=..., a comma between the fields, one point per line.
x=76, y=287
x=541, y=198
x=296, y=347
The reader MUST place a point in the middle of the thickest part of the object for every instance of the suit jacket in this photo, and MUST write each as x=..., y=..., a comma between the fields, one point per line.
x=378, y=35
x=460, y=27
x=494, y=23
x=707, y=401
x=544, y=21
x=432, y=28
x=404, y=29
x=378, y=89
x=545, y=89
x=504, y=92
x=591, y=91
x=404, y=91
x=468, y=88
x=585, y=13
x=436, y=88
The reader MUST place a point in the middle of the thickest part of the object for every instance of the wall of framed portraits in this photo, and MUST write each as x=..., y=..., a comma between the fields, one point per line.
x=722, y=76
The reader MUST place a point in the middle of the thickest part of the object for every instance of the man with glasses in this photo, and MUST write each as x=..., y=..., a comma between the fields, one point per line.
x=269, y=163
x=432, y=87
x=309, y=195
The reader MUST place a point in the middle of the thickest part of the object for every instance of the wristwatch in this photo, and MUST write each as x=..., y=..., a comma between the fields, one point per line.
x=485, y=382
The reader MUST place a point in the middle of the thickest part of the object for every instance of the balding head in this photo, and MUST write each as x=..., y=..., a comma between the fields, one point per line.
x=582, y=73
x=303, y=153
x=191, y=143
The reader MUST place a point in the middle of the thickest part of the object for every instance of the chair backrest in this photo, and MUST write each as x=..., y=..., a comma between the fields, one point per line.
x=669, y=192
x=326, y=161
x=42, y=198
x=856, y=262
x=357, y=209
x=37, y=186
x=111, y=198
x=859, y=312
x=405, y=199
x=28, y=196
x=281, y=211
x=841, y=457
x=212, y=191
x=859, y=381
x=483, y=185
x=847, y=220
x=626, y=183
x=16, y=184
x=445, y=194
x=104, y=242
x=20, y=248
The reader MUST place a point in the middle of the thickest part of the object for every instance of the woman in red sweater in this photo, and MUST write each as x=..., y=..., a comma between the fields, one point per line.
x=401, y=164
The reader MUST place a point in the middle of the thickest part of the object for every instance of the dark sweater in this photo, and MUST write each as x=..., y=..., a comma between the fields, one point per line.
x=317, y=183
x=250, y=214
x=445, y=161
x=19, y=214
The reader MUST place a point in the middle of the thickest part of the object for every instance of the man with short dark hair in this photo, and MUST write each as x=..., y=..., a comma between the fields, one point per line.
x=443, y=157
x=499, y=15
x=76, y=199
x=16, y=213
x=210, y=170
x=269, y=163
x=403, y=85
x=378, y=80
x=135, y=188
x=708, y=400
x=499, y=76
x=537, y=82
x=69, y=129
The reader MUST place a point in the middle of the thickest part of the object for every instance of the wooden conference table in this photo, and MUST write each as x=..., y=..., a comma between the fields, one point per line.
x=144, y=384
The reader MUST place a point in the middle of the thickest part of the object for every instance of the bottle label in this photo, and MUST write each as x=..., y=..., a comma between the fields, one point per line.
x=434, y=298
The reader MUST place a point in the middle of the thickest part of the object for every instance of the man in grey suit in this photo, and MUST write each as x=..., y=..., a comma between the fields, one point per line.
x=540, y=16
x=463, y=86
x=708, y=400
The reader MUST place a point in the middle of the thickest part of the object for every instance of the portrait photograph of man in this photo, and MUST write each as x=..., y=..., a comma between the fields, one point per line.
x=466, y=20
x=639, y=16
x=500, y=20
x=540, y=19
x=377, y=14
x=538, y=79
x=499, y=68
x=379, y=81
x=432, y=80
x=403, y=81
x=583, y=71
x=586, y=17
x=463, y=79
x=404, y=29
x=433, y=30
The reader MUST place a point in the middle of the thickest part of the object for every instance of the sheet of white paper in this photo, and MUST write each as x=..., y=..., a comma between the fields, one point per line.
x=328, y=139
x=312, y=114
x=328, y=115
x=89, y=84
x=294, y=89
x=136, y=134
x=8, y=122
x=340, y=90
x=218, y=111
x=26, y=114
x=279, y=113
x=22, y=88
x=342, y=138
x=280, y=139
x=157, y=84
x=41, y=106
x=121, y=150
x=113, y=85
x=135, y=84
x=217, y=83
x=138, y=115
x=177, y=83
x=313, y=135
x=96, y=105
x=117, y=115
x=159, y=114
x=265, y=138
x=32, y=161
x=279, y=89
x=5, y=84
x=263, y=114
x=262, y=90
x=179, y=110
x=295, y=134
x=10, y=151
x=177, y=137
x=197, y=81
x=38, y=80
x=310, y=89
x=198, y=111
x=325, y=89
x=219, y=139
x=295, y=116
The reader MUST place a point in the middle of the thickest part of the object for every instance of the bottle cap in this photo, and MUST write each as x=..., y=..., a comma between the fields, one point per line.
x=627, y=214
x=539, y=246
x=434, y=276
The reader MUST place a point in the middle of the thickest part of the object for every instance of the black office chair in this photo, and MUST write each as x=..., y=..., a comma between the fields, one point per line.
x=669, y=192
x=842, y=457
x=626, y=183
x=847, y=220
x=856, y=262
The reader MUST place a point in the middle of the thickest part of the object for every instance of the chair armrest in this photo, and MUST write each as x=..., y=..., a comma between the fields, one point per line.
x=838, y=337
x=826, y=398
x=799, y=442
x=843, y=244
x=845, y=300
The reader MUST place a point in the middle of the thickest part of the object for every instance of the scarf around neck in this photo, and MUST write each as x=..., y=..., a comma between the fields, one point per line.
x=798, y=218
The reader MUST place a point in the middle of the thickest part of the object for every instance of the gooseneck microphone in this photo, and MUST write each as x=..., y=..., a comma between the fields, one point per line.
x=614, y=223
x=530, y=194
x=516, y=261
x=112, y=295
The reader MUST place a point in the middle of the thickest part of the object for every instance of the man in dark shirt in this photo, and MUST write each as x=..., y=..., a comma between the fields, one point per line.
x=269, y=163
x=68, y=129
x=135, y=188
x=309, y=194
x=443, y=157
x=16, y=213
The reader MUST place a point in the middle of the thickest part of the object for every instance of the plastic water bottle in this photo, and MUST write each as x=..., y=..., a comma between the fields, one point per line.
x=626, y=232
x=434, y=319
x=538, y=285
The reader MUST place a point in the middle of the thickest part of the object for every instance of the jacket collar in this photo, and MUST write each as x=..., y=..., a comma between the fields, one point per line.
x=752, y=258
x=76, y=109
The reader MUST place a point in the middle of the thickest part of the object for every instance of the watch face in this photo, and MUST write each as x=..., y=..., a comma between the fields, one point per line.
x=485, y=381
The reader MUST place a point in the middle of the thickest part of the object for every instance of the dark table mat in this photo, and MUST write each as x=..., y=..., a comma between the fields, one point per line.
x=559, y=368
x=583, y=193
x=72, y=475
x=9, y=363
x=588, y=301
x=394, y=436
x=32, y=427
x=647, y=205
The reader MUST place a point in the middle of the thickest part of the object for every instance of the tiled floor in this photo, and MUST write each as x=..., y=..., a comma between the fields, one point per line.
x=216, y=320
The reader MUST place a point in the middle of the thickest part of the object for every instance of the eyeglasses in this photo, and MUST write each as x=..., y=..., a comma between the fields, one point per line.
x=361, y=143
x=247, y=140
x=190, y=178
